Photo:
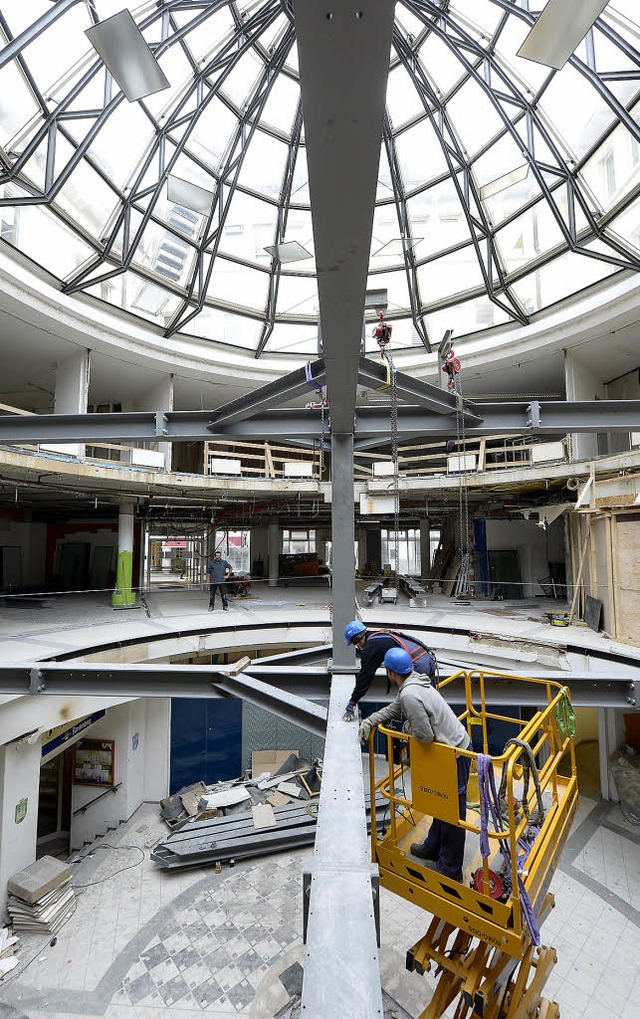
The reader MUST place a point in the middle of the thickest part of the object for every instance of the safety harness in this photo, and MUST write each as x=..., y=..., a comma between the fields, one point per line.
x=414, y=648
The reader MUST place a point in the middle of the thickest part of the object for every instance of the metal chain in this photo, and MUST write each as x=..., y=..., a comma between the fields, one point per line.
x=394, y=458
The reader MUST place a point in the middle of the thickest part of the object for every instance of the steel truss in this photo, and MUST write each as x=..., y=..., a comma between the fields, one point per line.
x=558, y=173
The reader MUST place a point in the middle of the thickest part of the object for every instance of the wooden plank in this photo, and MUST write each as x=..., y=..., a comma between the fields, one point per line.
x=576, y=591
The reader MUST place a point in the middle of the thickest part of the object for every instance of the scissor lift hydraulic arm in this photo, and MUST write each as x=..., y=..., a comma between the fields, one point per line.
x=483, y=940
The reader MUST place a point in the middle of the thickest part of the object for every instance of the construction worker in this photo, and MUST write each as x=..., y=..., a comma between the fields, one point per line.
x=374, y=645
x=219, y=570
x=428, y=717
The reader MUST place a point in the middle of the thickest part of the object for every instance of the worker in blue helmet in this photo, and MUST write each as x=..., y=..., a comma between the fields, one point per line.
x=373, y=646
x=427, y=716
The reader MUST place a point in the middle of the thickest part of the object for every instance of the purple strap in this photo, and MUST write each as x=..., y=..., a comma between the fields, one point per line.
x=490, y=804
x=310, y=379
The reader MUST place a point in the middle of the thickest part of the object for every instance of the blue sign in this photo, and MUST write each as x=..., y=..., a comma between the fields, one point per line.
x=59, y=736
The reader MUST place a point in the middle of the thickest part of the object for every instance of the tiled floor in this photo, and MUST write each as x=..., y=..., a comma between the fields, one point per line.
x=151, y=944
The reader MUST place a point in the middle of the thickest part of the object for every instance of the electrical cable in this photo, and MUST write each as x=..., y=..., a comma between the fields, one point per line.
x=106, y=845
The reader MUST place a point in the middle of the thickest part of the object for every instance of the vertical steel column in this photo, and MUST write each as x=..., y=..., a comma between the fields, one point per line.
x=342, y=547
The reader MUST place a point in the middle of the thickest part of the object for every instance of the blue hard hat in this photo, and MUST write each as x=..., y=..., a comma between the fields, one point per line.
x=398, y=661
x=353, y=630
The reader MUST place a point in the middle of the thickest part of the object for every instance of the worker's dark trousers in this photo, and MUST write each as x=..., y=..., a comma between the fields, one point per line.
x=212, y=594
x=445, y=842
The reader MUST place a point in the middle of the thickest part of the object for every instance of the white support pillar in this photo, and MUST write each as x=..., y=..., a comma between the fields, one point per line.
x=124, y=595
x=274, y=552
x=582, y=383
x=72, y=392
x=19, y=790
x=157, y=397
x=425, y=547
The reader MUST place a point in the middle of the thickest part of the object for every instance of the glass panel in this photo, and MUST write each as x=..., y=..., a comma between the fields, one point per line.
x=224, y=327
x=565, y=275
x=452, y=274
x=403, y=100
x=239, y=286
x=528, y=236
x=474, y=117
x=281, y=106
x=263, y=166
x=42, y=236
x=295, y=339
x=439, y=210
x=297, y=296
x=420, y=155
x=465, y=318
x=577, y=113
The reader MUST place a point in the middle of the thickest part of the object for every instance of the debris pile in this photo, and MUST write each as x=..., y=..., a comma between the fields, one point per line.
x=40, y=896
x=277, y=777
x=273, y=810
x=8, y=960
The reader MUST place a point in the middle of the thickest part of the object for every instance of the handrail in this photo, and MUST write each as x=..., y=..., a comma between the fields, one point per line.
x=111, y=789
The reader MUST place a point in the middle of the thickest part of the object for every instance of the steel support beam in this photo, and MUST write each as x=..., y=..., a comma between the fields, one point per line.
x=344, y=64
x=274, y=393
x=373, y=374
x=550, y=417
x=341, y=972
x=285, y=689
x=343, y=585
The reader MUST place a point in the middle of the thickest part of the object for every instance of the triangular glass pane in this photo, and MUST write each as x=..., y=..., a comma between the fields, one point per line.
x=403, y=100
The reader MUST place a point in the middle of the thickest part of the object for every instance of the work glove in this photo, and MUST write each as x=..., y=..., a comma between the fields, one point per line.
x=364, y=730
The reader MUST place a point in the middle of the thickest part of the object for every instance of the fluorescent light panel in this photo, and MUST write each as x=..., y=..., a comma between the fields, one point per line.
x=190, y=196
x=378, y=299
x=120, y=43
x=398, y=246
x=559, y=29
x=504, y=182
x=288, y=251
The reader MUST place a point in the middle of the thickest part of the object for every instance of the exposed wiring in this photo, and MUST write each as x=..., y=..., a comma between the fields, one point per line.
x=106, y=845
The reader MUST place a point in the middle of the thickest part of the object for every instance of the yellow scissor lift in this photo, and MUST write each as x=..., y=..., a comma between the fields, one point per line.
x=481, y=946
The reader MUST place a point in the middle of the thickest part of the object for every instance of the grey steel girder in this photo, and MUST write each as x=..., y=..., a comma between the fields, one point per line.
x=344, y=65
x=372, y=374
x=274, y=393
x=287, y=690
x=552, y=417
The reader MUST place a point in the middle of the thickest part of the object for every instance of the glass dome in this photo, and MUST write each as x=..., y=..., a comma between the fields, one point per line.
x=503, y=186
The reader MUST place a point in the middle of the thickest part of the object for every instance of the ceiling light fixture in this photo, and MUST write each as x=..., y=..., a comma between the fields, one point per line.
x=398, y=246
x=189, y=196
x=120, y=43
x=559, y=29
x=506, y=181
x=288, y=251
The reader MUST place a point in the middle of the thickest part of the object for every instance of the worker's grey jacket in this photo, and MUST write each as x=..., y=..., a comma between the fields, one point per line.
x=429, y=718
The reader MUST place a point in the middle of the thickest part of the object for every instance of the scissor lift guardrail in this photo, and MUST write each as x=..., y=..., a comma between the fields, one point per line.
x=498, y=925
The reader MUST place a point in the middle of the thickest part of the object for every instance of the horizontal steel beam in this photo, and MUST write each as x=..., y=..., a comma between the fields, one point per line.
x=274, y=393
x=553, y=417
x=285, y=689
x=373, y=374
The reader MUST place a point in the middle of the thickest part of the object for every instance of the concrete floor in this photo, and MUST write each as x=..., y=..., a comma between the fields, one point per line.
x=151, y=944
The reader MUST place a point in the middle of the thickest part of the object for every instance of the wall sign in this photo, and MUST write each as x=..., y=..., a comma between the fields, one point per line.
x=21, y=810
x=94, y=762
x=61, y=734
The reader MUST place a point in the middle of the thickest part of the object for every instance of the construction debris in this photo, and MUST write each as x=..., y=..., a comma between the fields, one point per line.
x=8, y=960
x=41, y=897
x=277, y=777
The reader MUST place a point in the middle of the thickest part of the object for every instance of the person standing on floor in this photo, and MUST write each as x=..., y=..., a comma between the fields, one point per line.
x=428, y=717
x=373, y=646
x=219, y=570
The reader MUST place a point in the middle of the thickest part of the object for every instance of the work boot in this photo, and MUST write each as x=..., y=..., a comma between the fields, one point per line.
x=434, y=865
x=349, y=712
x=225, y=607
x=211, y=608
x=417, y=849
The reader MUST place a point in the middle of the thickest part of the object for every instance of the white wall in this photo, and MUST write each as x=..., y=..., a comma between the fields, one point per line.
x=582, y=383
x=627, y=387
x=529, y=540
x=141, y=765
x=19, y=778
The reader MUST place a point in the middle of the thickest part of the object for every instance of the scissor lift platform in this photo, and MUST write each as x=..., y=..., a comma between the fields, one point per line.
x=488, y=944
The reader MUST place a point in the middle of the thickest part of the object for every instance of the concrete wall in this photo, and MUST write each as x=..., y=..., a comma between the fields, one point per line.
x=30, y=538
x=530, y=542
x=19, y=779
x=627, y=387
x=141, y=765
x=582, y=383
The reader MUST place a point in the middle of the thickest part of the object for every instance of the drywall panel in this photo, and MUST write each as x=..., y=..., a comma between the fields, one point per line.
x=626, y=556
